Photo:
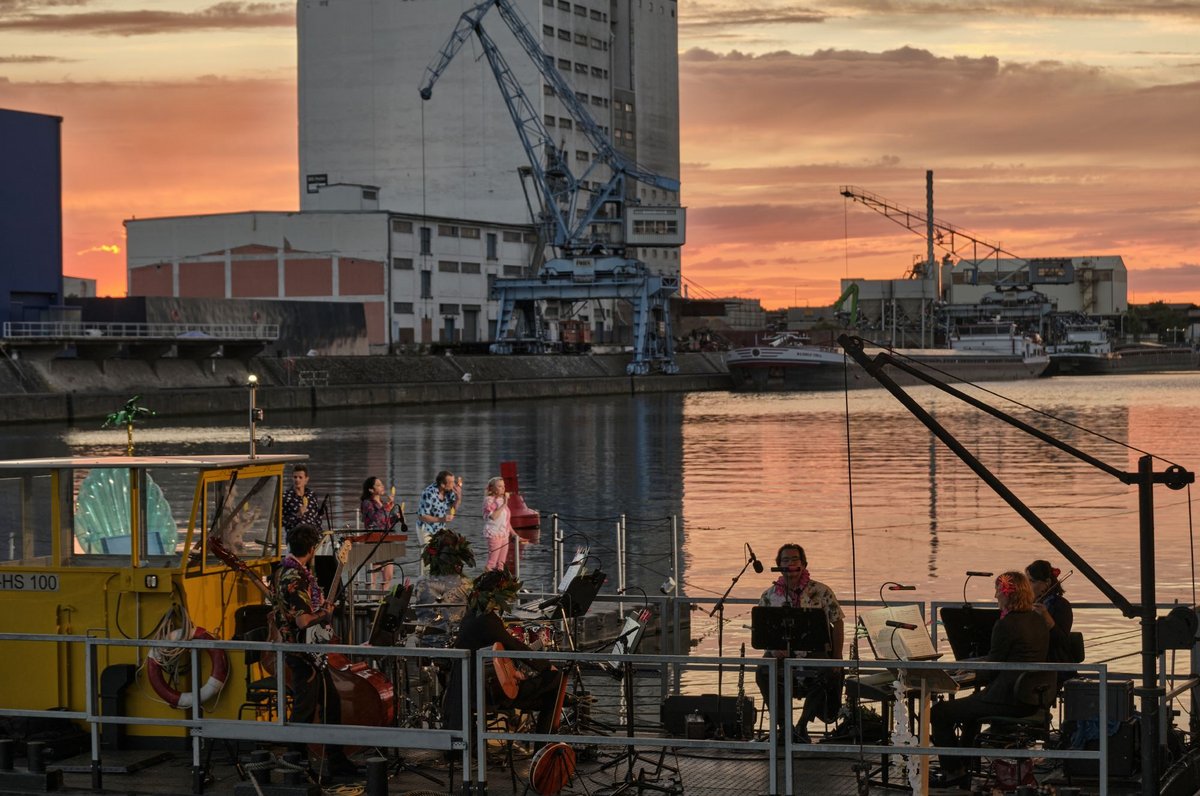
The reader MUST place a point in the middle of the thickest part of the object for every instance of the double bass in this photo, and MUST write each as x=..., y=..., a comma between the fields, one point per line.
x=365, y=696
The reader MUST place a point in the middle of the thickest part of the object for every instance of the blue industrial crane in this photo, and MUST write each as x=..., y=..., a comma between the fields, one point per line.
x=590, y=260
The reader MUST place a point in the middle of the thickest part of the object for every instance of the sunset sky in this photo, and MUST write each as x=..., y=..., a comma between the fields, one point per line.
x=1056, y=127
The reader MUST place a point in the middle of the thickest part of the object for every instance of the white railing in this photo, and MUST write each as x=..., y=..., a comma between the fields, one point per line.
x=217, y=332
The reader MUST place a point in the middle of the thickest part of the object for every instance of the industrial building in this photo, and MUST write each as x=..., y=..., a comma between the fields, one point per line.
x=31, y=224
x=414, y=207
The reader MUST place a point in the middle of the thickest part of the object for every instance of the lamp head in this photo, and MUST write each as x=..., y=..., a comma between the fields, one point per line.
x=252, y=380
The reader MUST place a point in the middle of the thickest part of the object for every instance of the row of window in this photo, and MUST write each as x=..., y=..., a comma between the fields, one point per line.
x=582, y=96
x=406, y=308
x=582, y=39
x=580, y=68
x=451, y=267
x=580, y=10
x=655, y=227
x=400, y=226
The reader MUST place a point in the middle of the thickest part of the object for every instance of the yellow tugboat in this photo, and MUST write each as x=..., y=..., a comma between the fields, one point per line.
x=122, y=547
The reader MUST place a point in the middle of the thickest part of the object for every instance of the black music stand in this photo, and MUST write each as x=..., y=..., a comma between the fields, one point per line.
x=797, y=630
x=791, y=629
x=389, y=617
x=969, y=630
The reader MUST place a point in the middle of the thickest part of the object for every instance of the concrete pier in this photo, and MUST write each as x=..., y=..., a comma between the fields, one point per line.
x=66, y=390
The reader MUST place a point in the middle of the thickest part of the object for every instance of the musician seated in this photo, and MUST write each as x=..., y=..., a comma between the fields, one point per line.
x=439, y=598
x=492, y=594
x=1051, y=604
x=1020, y=635
x=795, y=588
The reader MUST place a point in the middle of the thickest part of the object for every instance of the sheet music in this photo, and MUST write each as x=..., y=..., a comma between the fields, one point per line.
x=911, y=645
x=575, y=568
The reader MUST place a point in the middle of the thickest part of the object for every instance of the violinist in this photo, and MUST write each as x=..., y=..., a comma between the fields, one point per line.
x=299, y=604
x=1019, y=636
x=1054, y=608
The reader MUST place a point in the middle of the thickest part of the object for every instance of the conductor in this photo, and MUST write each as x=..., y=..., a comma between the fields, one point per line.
x=795, y=588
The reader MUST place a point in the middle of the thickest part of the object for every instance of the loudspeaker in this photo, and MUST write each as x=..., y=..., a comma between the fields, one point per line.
x=1081, y=697
x=1123, y=752
x=717, y=711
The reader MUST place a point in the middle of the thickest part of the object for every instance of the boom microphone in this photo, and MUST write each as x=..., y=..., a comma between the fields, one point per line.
x=900, y=625
x=758, y=566
x=972, y=574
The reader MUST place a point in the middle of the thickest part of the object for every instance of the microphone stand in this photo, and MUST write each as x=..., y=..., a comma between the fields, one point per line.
x=719, y=608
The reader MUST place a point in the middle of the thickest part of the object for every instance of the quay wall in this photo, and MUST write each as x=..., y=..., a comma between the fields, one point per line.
x=66, y=390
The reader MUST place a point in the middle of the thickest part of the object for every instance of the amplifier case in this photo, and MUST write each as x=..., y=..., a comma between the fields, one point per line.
x=715, y=710
x=1123, y=752
x=1082, y=699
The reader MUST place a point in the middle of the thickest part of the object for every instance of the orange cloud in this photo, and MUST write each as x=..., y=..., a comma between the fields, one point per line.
x=158, y=149
x=142, y=22
x=1049, y=159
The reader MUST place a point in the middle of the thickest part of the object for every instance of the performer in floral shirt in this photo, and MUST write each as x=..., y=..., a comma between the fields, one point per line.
x=438, y=504
x=300, y=504
x=299, y=604
x=795, y=588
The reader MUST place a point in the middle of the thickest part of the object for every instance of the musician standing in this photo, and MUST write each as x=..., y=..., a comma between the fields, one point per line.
x=795, y=588
x=299, y=604
x=438, y=503
x=300, y=504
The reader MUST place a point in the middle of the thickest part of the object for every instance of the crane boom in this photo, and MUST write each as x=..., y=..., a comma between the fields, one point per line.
x=947, y=236
x=576, y=211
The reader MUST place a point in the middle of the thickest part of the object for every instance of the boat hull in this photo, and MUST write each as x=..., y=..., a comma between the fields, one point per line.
x=1129, y=360
x=775, y=371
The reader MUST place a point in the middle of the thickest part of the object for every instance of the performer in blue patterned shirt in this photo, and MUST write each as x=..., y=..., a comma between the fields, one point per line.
x=438, y=503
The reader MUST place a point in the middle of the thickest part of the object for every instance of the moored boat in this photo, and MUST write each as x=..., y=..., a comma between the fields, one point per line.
x=978, y=352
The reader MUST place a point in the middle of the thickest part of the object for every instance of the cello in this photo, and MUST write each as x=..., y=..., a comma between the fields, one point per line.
x=365, y=696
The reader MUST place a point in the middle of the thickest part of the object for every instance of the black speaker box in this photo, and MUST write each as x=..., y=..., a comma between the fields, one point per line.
x=1123, y=753
x=717, y=711
x=1081, y=697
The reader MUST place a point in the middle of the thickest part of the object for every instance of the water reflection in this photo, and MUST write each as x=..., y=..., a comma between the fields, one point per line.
x=762, y=469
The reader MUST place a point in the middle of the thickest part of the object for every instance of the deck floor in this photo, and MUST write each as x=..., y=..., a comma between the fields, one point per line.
x=699, y=773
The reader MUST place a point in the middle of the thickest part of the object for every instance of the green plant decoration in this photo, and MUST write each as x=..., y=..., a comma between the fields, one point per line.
x=127, y=416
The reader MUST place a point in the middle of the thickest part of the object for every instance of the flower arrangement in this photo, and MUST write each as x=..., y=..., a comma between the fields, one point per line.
x=495, y=589
x=446, y=553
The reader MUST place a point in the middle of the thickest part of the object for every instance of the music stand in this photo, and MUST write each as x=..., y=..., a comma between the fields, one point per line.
x=791, y=629
x=969, y=630
x=795, y=630
x=578, y=597
x=389, y=616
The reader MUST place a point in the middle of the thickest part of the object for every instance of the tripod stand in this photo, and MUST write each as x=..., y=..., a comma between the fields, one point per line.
x=719, y=609
x=626, y=643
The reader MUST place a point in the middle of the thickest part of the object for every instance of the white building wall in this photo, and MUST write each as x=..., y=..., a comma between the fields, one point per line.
x=361, y=119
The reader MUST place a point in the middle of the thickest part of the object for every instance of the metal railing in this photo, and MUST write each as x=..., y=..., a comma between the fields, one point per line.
x=179, y=332
x=473, y=755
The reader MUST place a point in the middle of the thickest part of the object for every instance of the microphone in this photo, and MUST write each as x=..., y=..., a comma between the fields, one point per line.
x=898, y=587
x=973, y=574
x=900, y=625
x=785, y=569
x=758, y=566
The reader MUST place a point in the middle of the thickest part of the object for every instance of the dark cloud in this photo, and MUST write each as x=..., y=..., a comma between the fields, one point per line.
x=1057, y=8
x=34, y=59
x=701, y=16
x=222, y=16
x=11, y=6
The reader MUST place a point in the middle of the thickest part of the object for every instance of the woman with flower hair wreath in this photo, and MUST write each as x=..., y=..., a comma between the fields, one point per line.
x=440, y=598
x=1019, y=636
x=492, y=594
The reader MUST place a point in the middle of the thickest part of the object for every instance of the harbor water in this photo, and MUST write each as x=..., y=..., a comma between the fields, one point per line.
x=855, y=479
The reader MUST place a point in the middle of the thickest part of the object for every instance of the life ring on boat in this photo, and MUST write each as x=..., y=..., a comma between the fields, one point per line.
x=212, y=687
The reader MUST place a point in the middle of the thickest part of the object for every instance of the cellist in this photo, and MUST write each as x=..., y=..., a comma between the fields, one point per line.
x=299, y=604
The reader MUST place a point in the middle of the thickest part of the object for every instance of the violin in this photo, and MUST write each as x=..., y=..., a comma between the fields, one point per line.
x=1054, y=591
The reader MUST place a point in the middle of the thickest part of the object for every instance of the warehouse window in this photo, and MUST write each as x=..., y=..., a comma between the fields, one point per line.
x=426, y=284
x=402, y=263
x=401, y=227
x=402, y=307
x=447, y=266
x=470, y=268
x=426, y=242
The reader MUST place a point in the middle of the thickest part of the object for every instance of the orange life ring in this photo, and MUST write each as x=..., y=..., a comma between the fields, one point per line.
x=212, y=687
